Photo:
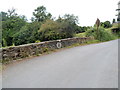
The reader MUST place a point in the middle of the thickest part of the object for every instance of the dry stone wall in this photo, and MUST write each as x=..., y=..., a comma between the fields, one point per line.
x=18, y=52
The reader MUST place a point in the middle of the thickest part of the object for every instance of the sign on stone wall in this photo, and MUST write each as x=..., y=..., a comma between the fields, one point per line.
x=59, y=45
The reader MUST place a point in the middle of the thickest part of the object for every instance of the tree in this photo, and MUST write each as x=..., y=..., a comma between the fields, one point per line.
x=17, y=31
x=27, y=34
x=11, y=12
x=107, y=24
x=67, y=29
x=11, y=24
x=73, y=20
x=113, y=21
x=41, y=14
x=59, y=29
x=50, y=30
x=69, y=22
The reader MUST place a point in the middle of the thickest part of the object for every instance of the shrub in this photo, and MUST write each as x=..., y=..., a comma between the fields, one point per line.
x=27, y=34
x=53, y=30
x=101, y=34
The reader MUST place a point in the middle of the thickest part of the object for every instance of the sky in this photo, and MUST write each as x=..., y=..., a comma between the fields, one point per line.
x=87, y=10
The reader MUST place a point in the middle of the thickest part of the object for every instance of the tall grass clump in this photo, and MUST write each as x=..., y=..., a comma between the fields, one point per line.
x=101, y=34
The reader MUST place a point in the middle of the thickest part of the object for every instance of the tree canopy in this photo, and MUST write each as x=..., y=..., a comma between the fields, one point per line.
x=16, y=30
x=41, y=14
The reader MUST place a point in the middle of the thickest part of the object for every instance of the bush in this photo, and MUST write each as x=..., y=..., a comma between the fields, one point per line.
x=49, y=31
x=102, y=35
x=27, y=34
x=106, y=24
x=53, y=30
x=37, y=41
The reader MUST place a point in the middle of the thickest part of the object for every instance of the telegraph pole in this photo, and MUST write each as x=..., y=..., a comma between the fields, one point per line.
x=97, y=25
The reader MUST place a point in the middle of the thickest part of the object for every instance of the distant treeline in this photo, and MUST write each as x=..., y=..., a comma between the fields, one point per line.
x=16, y=30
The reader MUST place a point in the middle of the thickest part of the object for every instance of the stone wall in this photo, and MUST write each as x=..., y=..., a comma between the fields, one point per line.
x=17, y=52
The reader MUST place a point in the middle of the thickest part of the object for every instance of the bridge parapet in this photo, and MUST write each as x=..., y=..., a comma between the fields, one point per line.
x=18, y=52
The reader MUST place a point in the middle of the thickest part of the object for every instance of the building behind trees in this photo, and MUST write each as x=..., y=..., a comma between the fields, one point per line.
x=118, y=19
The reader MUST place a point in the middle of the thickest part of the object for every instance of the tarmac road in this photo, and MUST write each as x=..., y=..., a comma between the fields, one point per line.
x=90, y=66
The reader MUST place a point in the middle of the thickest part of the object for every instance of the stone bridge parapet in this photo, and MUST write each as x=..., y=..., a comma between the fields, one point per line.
x=18, y=52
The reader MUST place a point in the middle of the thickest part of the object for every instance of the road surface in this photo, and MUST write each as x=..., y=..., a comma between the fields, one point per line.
x=90, y=66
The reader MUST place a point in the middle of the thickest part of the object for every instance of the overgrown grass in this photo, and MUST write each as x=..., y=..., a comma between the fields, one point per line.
x=86, y=43
x=93, y=41
x=80, y=35
x=101, y=35
x=115, y=25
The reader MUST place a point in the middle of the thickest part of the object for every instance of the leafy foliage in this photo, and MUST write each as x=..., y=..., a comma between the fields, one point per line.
x=17, y=31
x=52, y=30
x=106, y=24
x=41, y=14
x=11, y=24
x=113, y=21
x=27, y=34
x=102, y=35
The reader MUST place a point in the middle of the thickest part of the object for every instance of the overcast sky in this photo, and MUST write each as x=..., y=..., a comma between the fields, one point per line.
x=87, y=10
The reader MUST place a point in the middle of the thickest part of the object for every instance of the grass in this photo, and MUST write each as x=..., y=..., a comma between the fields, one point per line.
x=87, y=43
x=93, y=42
x=108, y=30
x=115, y=25
x=1, y=67
x=80, y=35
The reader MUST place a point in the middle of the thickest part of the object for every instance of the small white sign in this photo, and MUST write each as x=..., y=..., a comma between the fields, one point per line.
x=59, y=45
